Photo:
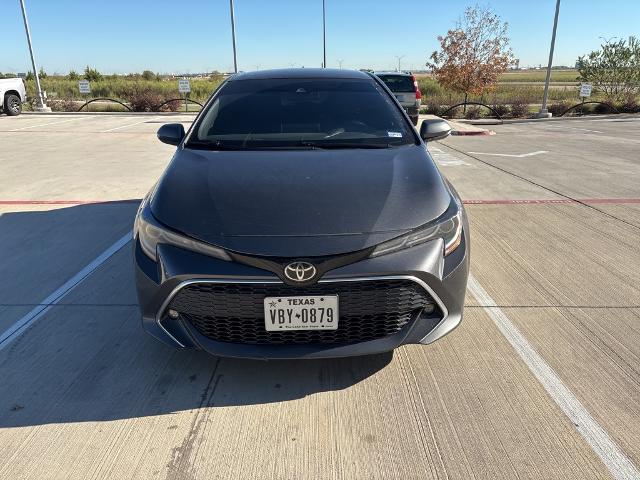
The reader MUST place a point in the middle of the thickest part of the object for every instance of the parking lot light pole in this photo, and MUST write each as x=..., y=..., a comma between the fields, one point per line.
x=42, y=106
x=233, y=36
x=543, y=111
x=324, y=36
x=399, y=57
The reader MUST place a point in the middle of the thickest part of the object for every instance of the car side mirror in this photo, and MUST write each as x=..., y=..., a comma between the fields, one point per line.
x=434, y=129
x=171, y=133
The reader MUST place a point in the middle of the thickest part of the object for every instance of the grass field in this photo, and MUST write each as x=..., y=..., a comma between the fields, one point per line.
x=121, y=88
x=531, y=76
x=506, y=92
x=564, y=76
x=522, y=86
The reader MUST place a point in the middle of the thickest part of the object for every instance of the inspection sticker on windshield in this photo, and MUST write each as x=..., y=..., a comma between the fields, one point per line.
x=394, y=134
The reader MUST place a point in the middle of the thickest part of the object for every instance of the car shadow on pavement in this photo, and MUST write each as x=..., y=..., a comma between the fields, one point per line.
x=87, y=358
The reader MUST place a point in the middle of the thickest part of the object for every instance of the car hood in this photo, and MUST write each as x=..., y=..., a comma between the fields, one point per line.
x=292, y=203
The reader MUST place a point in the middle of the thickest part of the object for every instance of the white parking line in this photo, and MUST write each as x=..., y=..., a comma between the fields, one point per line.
x=554, y=128
x=445, y=159
x=583, y=129
x=522, y=155
x=34, y=315
x=624, y=119
x=125, y=126
x=614, y=459
x=50, y=123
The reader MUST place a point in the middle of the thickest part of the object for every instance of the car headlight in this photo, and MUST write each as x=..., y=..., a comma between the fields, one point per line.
x=449, y=229
x=150, y=235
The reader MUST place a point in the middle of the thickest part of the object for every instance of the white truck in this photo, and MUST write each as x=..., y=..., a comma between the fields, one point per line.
x=12, y=95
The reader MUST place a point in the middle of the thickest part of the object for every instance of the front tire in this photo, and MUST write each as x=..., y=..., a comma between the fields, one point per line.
x=12, y=105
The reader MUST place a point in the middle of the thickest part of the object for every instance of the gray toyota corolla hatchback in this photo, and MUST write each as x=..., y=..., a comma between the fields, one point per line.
x=301, y=217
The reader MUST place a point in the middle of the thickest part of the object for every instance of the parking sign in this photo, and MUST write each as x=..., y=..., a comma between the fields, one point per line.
x=184, y=86
x=84, y=87
x=585, y=90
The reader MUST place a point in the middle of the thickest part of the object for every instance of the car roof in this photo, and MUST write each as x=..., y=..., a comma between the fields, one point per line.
x=301, y=73
x=405, y=74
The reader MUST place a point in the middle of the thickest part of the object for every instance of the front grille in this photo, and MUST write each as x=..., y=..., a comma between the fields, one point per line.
x=234, y=312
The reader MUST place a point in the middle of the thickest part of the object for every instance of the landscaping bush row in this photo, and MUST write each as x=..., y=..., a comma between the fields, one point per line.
x=515, y=109
x=629, y=105
x=139, y=99
x=145, y=94
x=122, y=88
x=137, y=103
x=520, y=108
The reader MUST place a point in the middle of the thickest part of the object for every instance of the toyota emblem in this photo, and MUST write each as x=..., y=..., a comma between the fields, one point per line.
x=299, y=271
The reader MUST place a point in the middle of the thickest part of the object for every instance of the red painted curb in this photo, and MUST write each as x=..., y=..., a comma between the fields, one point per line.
x=64, y=202
x=550, y=201
x=541, y=201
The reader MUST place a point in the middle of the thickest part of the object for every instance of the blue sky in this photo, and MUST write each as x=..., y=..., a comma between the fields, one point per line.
x=194, y=35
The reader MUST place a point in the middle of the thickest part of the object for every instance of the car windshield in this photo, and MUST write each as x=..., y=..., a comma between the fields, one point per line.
x=398, y=83
x=302, y=114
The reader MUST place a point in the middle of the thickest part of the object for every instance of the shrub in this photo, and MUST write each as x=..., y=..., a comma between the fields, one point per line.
x=558, y=108
x=62, y=105
x=519, y=108
x=472, y=113
x=578, y=109
x=583, y=109
x=73, y=75
x=501, y=109
x=216, y=76
x=614, y=70
x=604, y=108
x=172, y=106
x=629, y=105
x=454, y=113
x=143, y=99
x=92, y=74
x=433, y=108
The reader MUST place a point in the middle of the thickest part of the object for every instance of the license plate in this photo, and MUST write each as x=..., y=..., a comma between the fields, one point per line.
x=301, y=313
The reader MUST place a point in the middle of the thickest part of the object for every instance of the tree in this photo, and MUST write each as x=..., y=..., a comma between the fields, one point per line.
x=148, y=75
x=73, y=75
x=29, y=76
x=92, y=74
x=42, y=74
x=216, y=76
x=614, y=69
x=473, y=55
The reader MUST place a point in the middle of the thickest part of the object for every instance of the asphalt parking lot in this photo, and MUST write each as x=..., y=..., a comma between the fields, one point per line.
x=542, y=379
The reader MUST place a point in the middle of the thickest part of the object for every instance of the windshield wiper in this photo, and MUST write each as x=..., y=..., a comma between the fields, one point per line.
x=303, y=144
x=212, y=145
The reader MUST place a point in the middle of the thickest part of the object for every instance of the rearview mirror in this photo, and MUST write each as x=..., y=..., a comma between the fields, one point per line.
x=171, y=133
x=434, y=129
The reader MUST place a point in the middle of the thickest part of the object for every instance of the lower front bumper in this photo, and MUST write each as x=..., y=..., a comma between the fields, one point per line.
x=444, y=280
